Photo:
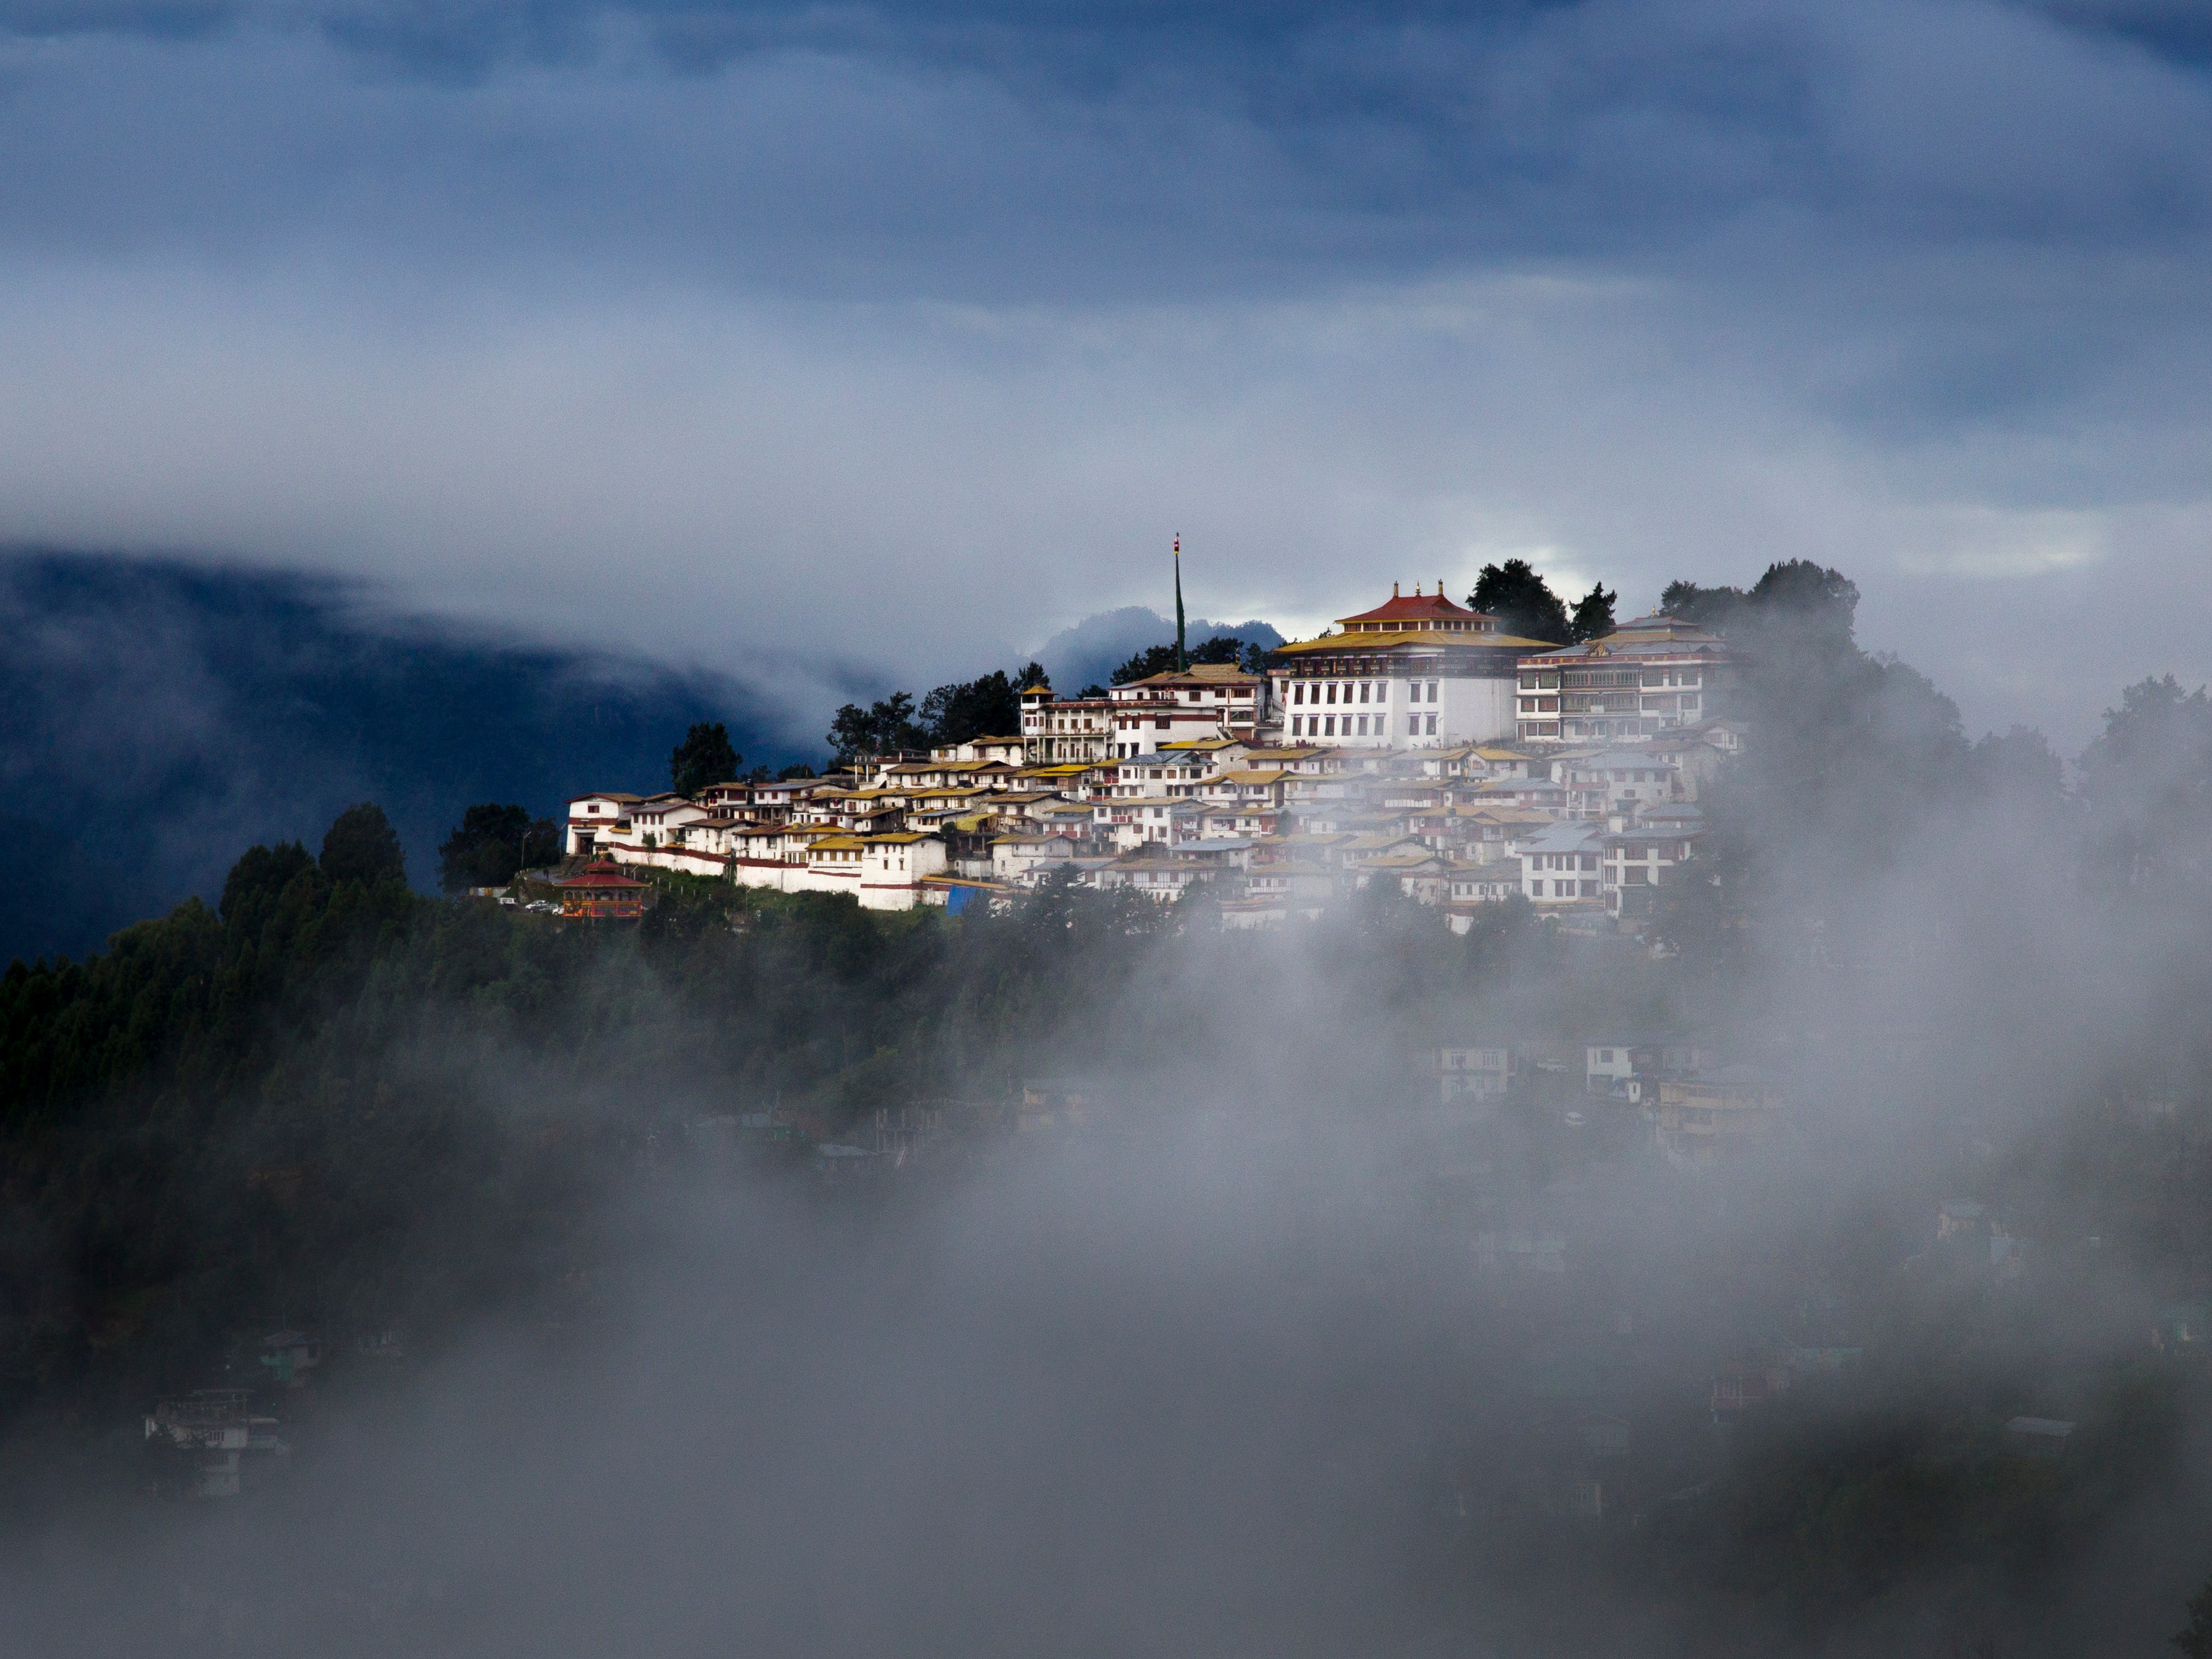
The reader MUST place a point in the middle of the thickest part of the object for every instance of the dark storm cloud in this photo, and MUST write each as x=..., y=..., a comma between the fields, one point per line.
x=1120, y=151
x=474, y=296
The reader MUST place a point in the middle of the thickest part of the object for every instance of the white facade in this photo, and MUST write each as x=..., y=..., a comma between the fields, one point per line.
x=1206, y=700
x=1563, y=864
x=593, y=819
x=1649, y=676
x=1480, y=1074
x=1057, y=732
x=893, y=868
x=1415, y=710
x=1018, y=860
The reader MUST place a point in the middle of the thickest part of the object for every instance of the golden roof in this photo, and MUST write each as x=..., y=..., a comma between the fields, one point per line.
x=1364, y=643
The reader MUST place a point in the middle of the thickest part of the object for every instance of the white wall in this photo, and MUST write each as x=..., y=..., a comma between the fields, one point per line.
x=1467, y=709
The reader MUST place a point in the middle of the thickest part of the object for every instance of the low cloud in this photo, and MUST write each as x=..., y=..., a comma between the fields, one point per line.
x=820, y=344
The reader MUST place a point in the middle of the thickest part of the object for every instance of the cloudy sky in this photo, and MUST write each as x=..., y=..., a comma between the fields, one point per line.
x=782, y=337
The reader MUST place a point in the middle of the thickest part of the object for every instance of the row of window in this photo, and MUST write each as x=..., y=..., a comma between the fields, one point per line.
x=1381, y=689
x=1549, y=680
x=1359, y=725
x=1562, y=862
x=1619, y=728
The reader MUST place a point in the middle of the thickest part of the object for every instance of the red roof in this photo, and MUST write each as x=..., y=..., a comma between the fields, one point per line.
x=1421, y=607
x=602, y=873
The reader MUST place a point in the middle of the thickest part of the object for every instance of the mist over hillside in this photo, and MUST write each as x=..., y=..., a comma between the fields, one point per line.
x=156, y=717
x=1085, y=1276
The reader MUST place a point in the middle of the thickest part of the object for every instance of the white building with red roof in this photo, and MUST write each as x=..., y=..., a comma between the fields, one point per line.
x=1413, y=672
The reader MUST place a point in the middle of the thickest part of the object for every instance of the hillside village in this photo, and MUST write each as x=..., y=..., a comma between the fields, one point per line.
x=1413, y=744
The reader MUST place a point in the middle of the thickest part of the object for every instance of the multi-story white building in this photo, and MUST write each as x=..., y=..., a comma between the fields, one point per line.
x=1647, y=676
x=1078, y=730
x=893, y=866
x=1415, y=673
x=594, y=818
x=1206, y=700
x=1480, y=1074
x=1562, y=863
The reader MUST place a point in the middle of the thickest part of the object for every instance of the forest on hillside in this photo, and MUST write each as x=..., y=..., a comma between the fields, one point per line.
x=330, y=1101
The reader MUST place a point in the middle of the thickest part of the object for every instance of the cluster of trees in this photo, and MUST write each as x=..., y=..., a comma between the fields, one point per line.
x=707, y=757
x=492, y=843
x=1526, y=607
x=300, y=1103
x=1795, y=600
x=988, y=706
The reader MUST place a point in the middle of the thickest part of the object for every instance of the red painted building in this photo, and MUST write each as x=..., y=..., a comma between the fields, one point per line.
x=601, y=889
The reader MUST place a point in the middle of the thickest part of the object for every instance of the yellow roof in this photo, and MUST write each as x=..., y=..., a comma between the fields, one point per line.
x=1364, y=643
x=900, y=837
x=1210, y=673
x=837, y=842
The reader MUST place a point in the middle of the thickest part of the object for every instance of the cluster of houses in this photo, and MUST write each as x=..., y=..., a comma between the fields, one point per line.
x=1699, y=1111
x=1413, y=743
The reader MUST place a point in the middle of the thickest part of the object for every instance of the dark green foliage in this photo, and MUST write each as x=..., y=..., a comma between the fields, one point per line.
x=491, y=844
x=1708, y=608
x=1593, y=617
x=340, y=1103
x=987, y=707
x=261, y=874
x=1795, y=600
x=362, y=846
x=2196, y=1640
x=705, y=756
x=2147, y=784
x=858, y=734
x=1522, y=601
x=1848, y=755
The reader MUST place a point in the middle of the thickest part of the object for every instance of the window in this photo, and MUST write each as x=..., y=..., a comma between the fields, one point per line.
x=1330, y=730
x=1363, y=688
x=1298, y=692
x=1432, y=690
x=1297, y=725
x=1432, y=726
x=1332, y=690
